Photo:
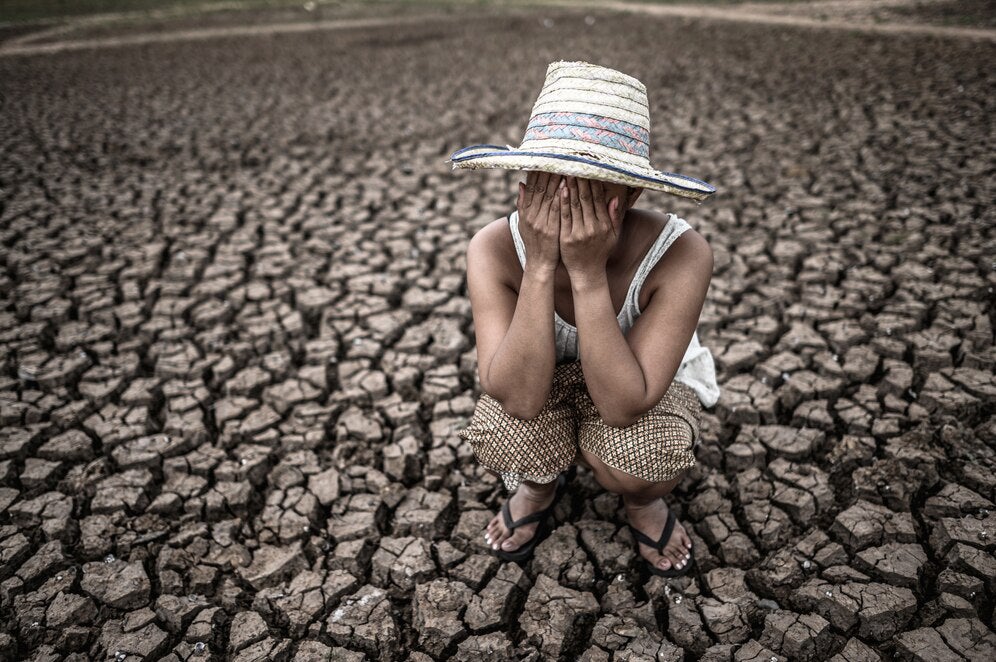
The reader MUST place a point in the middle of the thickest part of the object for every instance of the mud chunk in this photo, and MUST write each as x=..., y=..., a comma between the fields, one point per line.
x=491, y=647
x=325, y=486
x=177, y=612
x=971, y=530
x=120, y=584
x=495, y=604
x=126, y=491
x=865, y=524
x=894, y=563
x=561, y=556
x=357, y=516
x=423, y=513
x=309, y=595
x=316, y=651
x=856, y=650
x=684, y=625
x=437, y=607
x=400, y=563
x=364, y=621
x=13, y=552
x=475, y=570
x=805, y=637
x=971, y=560
x=878, y=610
x=287, y=515
x=770, y=525
x=247, y=628
x=612, y=550
x=272, y=564
x=555, y=616
x=353, y=556
x=69, y=609
x=70, y=446
x=270, y=648
x=726, y=620
x=953, y=500
x=147, y=642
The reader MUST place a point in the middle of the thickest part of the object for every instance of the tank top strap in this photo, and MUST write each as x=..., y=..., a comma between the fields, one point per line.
x=520, y=246
x=673, y=229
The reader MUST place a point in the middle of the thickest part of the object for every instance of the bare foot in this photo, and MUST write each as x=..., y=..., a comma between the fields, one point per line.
x=650, y=518
x=527, y=499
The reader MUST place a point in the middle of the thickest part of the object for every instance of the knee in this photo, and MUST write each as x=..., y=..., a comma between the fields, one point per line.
x=628, y=484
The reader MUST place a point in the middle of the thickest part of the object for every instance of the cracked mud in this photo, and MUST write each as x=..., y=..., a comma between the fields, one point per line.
x=237, y=344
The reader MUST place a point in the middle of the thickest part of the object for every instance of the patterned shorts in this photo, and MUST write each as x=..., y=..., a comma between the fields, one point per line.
x=657, y=447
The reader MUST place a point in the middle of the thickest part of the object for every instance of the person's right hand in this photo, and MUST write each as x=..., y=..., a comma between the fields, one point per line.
x=539, y=218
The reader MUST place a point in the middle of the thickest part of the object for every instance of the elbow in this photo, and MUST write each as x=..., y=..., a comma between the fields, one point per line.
x=516, y=407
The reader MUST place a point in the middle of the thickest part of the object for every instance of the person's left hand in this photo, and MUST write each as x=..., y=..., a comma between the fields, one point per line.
x=589, y=227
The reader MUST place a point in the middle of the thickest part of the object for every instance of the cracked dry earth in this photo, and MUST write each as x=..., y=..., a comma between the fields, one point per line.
x=237, y=345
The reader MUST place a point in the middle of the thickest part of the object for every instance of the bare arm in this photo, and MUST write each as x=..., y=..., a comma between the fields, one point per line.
x=514, y=333
x=627, y=375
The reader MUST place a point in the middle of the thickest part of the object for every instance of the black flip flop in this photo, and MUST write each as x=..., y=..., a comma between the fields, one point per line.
x=526, y=549
x=659, y=546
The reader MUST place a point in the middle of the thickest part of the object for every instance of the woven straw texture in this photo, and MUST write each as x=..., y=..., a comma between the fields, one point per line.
x=657, y=447
x=591, y=122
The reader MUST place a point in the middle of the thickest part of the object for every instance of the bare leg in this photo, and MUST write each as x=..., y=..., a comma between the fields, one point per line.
x=645, y=510
x=528, y=498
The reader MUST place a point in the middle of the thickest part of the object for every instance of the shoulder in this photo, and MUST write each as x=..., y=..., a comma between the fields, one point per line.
x=493, y=246
x=688, y=260
x=495, y=237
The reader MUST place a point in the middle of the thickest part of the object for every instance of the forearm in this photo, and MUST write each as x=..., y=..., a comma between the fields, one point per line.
x=521, y=371
x=614, y=377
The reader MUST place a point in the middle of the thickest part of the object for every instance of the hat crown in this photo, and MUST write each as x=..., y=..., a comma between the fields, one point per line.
x=592, y=111
x=588, y=121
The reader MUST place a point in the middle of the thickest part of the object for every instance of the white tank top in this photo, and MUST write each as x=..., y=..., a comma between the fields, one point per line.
x=697, y=370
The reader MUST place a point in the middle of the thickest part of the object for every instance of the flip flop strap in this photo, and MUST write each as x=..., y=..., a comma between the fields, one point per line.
x=532, y=517
x=665, y=534
x=507, y=516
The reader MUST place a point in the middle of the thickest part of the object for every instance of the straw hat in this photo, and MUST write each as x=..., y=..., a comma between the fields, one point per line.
x=591, y=122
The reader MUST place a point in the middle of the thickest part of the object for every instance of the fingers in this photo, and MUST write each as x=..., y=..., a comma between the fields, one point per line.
x=597, y=193
x=530, y=188
x=551, y=198
x=553, y=215
x=598, y=202
x=567, y=209
x=615, y=214
x=536, y=184
x=587, y=204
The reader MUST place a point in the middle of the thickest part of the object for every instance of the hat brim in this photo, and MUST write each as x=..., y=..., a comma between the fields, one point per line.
x=497, y=156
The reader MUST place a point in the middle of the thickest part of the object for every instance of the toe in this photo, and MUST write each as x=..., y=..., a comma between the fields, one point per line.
x=514, y=541
x=661, y=561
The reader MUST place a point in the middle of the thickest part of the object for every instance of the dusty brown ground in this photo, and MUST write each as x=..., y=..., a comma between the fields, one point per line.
x=237, y=345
